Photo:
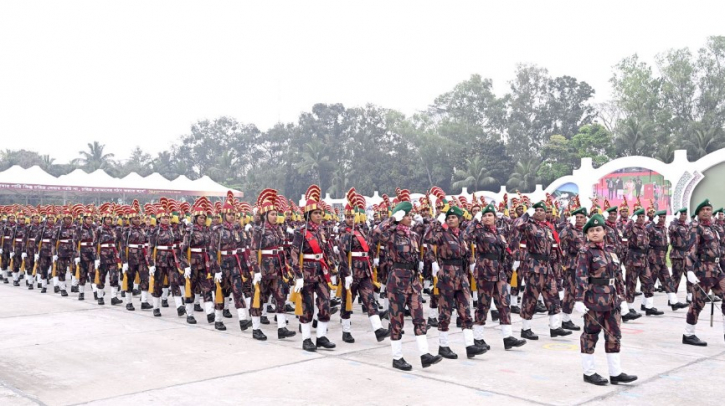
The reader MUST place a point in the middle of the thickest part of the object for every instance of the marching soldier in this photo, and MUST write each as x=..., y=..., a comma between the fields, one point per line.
x=44, y=244
x=636, y=263
x=194, y=258
x=658, y=245
x=678, y=232
x=134, y=257
x=599, y=290
x=31, y=249
x=703, y=269
x=613, y=244
x=64, y=250
x=489, y=253
x=452, y=275
x=540, y=251
x=6, y=245
x=84, y=262
x=572, y=240
x=161, y=246
x=18, y=247
x=107, y=261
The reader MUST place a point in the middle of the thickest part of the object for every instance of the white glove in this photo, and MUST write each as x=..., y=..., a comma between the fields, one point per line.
x=97, y=263
x=218, y=277
x=290, y=230
x=1, y=251
x=23, y=255
x=298, y=284
x=572, y=220
x=247, y=227
x=418, y=218
x=420, y=266
x=55, y=258
x=336, y=250
x=36, y=257
x=77, y=260
x=692, y=278
x=435, y=268
x=124, y=267
x=335, y=229
x=12, y=254
x=516, y=265
x=376, y=261
x=256, y=278
x=499, y=214
x=348, y=282
x=441, y=218
x=580, y=308
x=187, y=272
x=152, y=270
x=530, y=211
x=478, y=216
x=398, y=215
x=472, y=267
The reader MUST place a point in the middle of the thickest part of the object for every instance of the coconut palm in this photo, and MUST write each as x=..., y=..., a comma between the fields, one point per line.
x=94, y=158
x=703, y=140
x=315, y=160
x=475, y=176
x=525, y=174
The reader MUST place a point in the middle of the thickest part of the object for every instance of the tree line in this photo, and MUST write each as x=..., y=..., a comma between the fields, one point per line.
x=469, y=136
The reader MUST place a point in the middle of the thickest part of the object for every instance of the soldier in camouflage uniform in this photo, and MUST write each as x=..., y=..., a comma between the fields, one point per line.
x=18, y=247
x=540, y=251
x=613, y=244
x=599, y=291
x=381, y=261
x=107, y=262
x=637, y=265
x=704, y=271
x=572, y=239
x=44, y=243
x=31, y=249
x=679, y=234
x=84, y=261
x=64, y=250
x=225, y=240
x=404, y=287
x=6, y=245
x=194, y=258
x=489, y=252
x=312, y=257
x=133, y=256
x=450, y=261
x=656, y=257
x=161, y=249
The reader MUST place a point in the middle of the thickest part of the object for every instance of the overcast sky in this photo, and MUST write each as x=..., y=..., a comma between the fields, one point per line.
x=130, y=73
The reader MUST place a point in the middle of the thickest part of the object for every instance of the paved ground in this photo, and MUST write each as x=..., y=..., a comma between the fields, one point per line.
x=59, y=351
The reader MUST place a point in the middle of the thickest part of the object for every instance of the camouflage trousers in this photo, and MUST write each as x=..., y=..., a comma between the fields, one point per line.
x=5, y=259
x=611, y=321
x=29, y=264
x=62, y=265
x=678, y=271
x=365, y=288
x=44, y=264
x=645, y=279
x=162, y=273
x=449, y=297
x=519, y=281
x=194, y=282
x=315, y=292
x=717, y=284
x=544, y=284
x=569, y=282
x=143, y=276
x=231, y=285
x=404, y=291
x=110, y=270
x=274, y=286
x=428, y=275
x=18, y=260
x=496, y=291
x=660, y=271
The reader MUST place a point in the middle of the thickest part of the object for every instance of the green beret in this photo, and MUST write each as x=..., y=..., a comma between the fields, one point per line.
x=661, y=213
x=720, y=210
x=704, y=203
x=682, y=210
x=596, y=220
x=455, y=210
x=404, y=206
x=581, y=210
x=638, y=211
x=489, y=209
x=612, y=209
x=539, y=205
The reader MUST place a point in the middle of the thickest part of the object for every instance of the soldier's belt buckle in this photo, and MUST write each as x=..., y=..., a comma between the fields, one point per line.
x=611, y=281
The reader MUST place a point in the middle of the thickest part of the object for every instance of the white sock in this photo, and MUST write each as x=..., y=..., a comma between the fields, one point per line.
x=243, y=314
x=94, y=287
x=672, y=298
x=144, y=296
x=127, y=299
x=248, y=301
x=62, y=285
x=624, y=308
x=209, y=307
x=346, y=325
x=525, y=324
x=397, y=348
x=474, y=294
x=217, y=316
x=306, y=330
x=164, y=293
x=256, y=322
x=16, y=276
x=55, y=280
x=196, y=300
x=157, y=301
x=282, y=320
x=588, y=364
x=689, y=297
x=422, y=342
x=554, y=321
x=506, y=330
x=689, y=330
x=615, y=367
x=73, y=280
x=321, y=329
x=565, y=317
x=433, y=313
x=649, y=302
x=44, y=283
x=375, y=322
x=478, y=332
x=468, y=337
x=443, y=339
x=189, y=308
x=264, y=309
x=114, y=292
x=178, y=302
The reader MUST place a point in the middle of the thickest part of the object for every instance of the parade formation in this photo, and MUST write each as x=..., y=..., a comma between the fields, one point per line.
x=440, y=261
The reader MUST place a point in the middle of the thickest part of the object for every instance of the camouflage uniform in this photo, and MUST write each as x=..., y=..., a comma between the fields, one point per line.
x=64, y=246
x=599, y=285
x=18, y=245
x=225, y=240
x=44, y=242
x=87, y=252
x=362, y=284
x=7, y=244
x=315, y=271
x=656, y=256
x=133, y=252
x=572, y=240
x=161, y=247
x=105, y=241
x=636, y=262
x=403, y=284
x=679, y=240
x=31, y=248
x=703, y=258
x=270, y=239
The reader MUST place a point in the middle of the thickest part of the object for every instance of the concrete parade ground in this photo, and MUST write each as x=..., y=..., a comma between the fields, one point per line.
x=61, y=351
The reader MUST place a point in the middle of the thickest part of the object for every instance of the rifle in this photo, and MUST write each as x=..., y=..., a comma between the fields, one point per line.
x=257, y=293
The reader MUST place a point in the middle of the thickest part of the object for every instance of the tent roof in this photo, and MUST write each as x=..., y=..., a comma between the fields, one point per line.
x=36, y=180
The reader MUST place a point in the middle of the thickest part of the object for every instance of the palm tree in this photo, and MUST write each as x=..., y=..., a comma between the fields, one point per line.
x=315, y=160
x=47, y=163
x=223, y=169
x=703, y=141
x=339, y=181
x=525, y=174
x=474, y=176
x=634, y=137
x=94, y=158
x=163, y=164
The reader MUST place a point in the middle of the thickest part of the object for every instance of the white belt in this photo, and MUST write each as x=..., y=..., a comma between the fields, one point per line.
x=107, y=245
x=64, y=241
x=270, y=252
x=624, y=239
x=86, y=244
x=45, y=240
x=241, y=250
x=228, y=252
x=314, y=257
x=137, y=246
x=19, y=239
x=359, y=254
x=164, y=247
x=554, y=245
x=425, y=245
x=197, y=249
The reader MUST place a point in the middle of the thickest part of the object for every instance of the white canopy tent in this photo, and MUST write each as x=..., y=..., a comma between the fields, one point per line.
x=36, y=182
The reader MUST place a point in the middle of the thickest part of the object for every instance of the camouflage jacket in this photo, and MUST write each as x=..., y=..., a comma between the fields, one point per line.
x=64, y=243
x=703, y=257
x=358, y=245
x=538, y=245
x=161, y=247
x=599, y=282
x=270, y=238
x=572, y=240
x=105, y=241
x=679, y=239
x=133, y=245
x=224, y=242
x=491, y=250
x=85, y=236
x=637, y=244
x=311, y=269
x=402, y=247
x=657, y=235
